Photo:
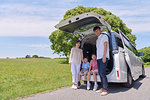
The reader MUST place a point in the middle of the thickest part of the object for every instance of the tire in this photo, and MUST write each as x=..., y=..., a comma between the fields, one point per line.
x=143, y=72
x=129, y=83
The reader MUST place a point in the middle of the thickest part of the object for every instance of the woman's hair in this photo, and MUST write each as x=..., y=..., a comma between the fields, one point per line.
x=78, y=41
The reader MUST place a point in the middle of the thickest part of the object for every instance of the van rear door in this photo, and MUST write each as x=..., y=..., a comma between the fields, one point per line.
x=83, y=23
x=129, y=55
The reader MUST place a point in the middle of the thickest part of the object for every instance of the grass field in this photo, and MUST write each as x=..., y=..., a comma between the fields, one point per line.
x=23, y=77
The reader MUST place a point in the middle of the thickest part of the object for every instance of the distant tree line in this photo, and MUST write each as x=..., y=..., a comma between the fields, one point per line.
x=146, y=56
x=34, y=56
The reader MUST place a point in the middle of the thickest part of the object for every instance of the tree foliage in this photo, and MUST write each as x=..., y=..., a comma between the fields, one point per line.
x=146, y=51
x=27, y=56
x=35, y=56
x=62, y=42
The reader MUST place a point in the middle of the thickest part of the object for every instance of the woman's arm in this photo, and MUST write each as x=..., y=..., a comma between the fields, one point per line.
x=70, y=58
x=81, y=55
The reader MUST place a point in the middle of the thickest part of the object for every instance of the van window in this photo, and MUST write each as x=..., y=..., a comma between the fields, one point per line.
x=113, y=41
x=134, y=50
x=127, y=44
x=119, y=42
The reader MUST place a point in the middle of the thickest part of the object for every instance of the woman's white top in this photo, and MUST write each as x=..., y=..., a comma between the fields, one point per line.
x=76, y=56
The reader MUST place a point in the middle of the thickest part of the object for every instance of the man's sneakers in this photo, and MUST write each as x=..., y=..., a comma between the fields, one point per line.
x=95, y=87
x=74, y=87
x=100, y=90
x=88, y=86
x=103, y=92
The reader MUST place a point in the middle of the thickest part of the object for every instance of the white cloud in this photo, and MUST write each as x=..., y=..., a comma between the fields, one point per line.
x=136, y=18
x=27, y=20
x=39, y=45
x=30, y=26
x=141, y=28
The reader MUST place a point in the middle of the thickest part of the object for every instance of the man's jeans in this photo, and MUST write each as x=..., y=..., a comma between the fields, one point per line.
x=102, y=72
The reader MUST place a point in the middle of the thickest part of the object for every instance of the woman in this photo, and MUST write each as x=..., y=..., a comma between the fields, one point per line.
x=76, y=57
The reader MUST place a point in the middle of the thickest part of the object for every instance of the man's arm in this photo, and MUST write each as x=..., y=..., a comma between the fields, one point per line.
x=105, y=52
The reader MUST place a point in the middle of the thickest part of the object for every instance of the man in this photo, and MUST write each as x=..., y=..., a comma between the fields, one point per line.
x=102, y=45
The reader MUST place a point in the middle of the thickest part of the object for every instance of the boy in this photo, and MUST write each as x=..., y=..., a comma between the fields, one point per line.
x=84, y=71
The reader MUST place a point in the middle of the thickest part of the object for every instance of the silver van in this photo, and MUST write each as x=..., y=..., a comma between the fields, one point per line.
x=125, y=64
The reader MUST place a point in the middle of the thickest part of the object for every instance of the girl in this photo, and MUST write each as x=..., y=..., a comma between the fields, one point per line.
x=94, y=71
x=75, y=59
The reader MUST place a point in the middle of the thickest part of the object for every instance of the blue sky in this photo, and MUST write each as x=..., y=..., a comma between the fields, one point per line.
x=25, y=25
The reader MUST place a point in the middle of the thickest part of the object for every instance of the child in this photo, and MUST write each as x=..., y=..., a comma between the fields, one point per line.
x=75, y=59
x=94, y=71
x=84, y=70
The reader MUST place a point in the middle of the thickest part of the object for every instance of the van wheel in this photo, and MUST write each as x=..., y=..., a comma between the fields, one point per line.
x=143, y=72
x=129, y=83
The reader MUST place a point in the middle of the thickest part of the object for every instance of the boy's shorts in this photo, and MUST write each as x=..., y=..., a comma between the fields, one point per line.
x=84, y=73
x=96, y=70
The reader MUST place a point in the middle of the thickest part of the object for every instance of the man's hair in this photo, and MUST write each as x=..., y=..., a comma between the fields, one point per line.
x=96, y=27
x=78, y=41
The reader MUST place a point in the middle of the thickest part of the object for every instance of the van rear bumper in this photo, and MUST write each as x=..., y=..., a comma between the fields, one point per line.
x=111, y=77
x=110, y=80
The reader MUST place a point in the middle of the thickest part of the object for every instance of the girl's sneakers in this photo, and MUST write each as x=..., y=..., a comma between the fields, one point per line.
x=95, y=87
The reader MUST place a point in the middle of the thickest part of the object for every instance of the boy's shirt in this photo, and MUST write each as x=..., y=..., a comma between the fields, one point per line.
x=85, y=65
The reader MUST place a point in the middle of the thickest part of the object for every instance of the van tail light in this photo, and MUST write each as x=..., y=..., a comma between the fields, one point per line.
x=118, y=74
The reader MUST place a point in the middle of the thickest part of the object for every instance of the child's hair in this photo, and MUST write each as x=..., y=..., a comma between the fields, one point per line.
x=85, y=58
x=93, y=54
x=78, y=41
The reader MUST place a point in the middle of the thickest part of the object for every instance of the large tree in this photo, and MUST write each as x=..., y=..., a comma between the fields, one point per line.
x=62, y=42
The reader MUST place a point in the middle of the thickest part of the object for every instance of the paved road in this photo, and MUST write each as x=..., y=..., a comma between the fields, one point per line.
x=140, y=91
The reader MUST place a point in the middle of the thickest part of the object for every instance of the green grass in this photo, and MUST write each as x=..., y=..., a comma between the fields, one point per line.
x=24, y=77
x=147, y=64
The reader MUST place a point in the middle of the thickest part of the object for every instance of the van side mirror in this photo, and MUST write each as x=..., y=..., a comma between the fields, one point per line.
x=141, y=54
